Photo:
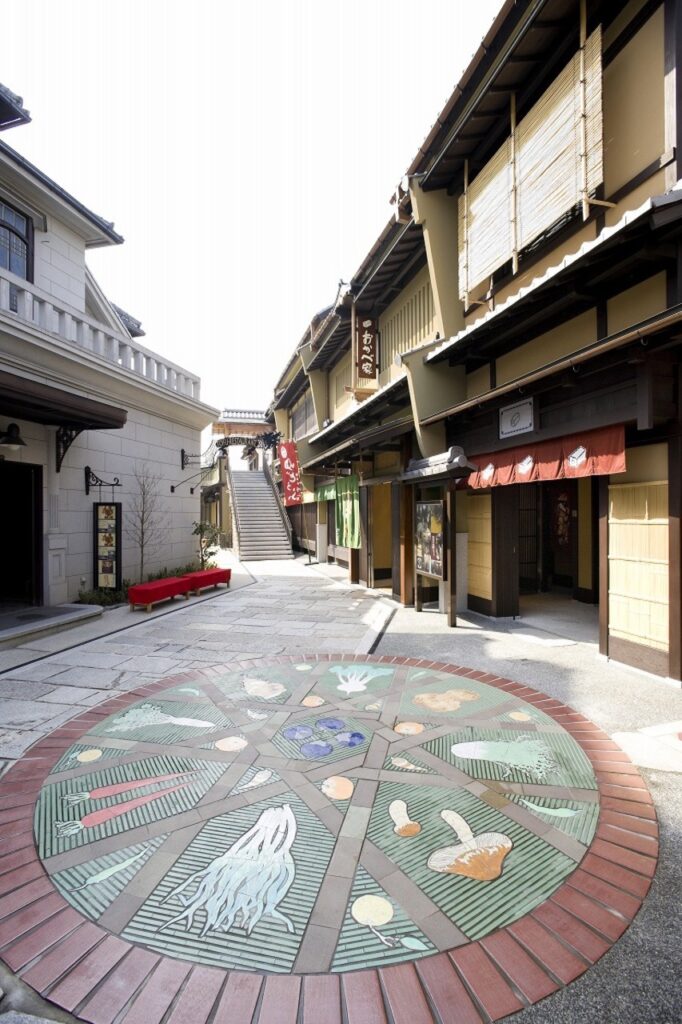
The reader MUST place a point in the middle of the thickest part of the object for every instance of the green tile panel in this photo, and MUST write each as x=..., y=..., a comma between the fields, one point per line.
x=270, y=947
x=52, y=808
x=166, y=717
x=581, y=825
x=359, y=947
x=530, y=873
x=80, y=886
x=514, y=764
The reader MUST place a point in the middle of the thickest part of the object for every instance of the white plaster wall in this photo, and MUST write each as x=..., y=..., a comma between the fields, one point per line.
x=145, y=440
x=59, y=264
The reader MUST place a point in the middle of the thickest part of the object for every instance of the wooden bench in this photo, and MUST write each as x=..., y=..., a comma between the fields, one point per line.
x=207, y=578
x=148, y=594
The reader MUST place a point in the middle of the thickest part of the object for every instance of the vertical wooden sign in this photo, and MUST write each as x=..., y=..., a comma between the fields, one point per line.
x=367, y=347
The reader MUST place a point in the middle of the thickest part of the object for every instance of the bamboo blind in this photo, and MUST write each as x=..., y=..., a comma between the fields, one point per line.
x=552, y=162
x=638, y=563
x=480, y=546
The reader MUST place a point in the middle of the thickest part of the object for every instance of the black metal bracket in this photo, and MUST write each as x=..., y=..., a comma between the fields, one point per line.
x=92, y=480
x=64, y=438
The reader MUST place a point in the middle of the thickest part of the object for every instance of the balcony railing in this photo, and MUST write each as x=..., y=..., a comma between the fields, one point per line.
x=21, y=299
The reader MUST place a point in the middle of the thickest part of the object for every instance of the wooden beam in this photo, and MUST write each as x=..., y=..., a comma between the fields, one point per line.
x=675, y=556
x=450, y=538
x=604, y=565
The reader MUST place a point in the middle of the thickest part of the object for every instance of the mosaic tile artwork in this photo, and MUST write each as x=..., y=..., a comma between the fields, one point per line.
x=316, y=817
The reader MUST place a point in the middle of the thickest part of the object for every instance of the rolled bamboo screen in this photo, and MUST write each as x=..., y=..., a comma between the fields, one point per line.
x=638, y=563
x=550, y=172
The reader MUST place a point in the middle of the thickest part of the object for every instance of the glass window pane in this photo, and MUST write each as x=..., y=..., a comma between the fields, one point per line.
x=4, y=248
x=17, y=256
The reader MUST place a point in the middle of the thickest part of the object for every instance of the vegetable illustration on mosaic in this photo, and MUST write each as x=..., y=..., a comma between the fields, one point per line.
x=106, y=873
x=451, y=700
x=247, y=882
x=527, y=755
x=148, y=714
x=356, y=678
x=105, y=814
x=374, y=912
x=479, y=857
x=400, y=817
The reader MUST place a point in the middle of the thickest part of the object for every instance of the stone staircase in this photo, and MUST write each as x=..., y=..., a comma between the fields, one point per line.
x=262, y=533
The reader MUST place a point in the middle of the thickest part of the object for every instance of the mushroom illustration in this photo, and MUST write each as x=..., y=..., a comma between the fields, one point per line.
x=401, y=820
x=478, y=857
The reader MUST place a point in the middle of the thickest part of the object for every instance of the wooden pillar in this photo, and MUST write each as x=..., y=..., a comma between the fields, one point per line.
x=505, y=529
x=604, y=565
x=450, y=538
x=674, y=556
x=354, y=565
x=673, y=88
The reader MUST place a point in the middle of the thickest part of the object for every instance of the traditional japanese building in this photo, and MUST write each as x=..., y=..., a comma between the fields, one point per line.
x=527, y=302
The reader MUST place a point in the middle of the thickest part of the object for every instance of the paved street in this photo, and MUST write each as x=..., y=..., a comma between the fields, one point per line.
x=288, y=608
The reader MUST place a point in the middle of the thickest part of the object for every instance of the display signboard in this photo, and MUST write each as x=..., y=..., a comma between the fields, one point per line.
x=429, y=538
x=518, y=418
x=291, y=474
x=106, y=545
x=367, y=348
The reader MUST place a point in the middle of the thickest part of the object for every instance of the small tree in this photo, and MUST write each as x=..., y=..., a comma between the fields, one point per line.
x=146, y=522
x=208, y=535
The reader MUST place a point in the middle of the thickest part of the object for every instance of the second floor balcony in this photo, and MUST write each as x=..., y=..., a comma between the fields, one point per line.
x=25, y=304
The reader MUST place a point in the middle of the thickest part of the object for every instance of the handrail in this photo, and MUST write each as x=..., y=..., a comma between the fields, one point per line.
x=280, y=504
x=235, y=511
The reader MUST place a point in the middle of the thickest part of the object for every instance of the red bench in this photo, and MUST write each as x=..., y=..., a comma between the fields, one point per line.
x=158, y=590
x=207, y=578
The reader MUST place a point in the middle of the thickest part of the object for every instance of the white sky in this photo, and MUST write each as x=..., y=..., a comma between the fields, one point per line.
x=246, y=152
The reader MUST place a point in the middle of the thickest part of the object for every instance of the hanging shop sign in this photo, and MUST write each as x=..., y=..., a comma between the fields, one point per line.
x=592, y=453
x=367, y=347
x=518, y=418
x=106, y=545
x=428, y=545
x=291, y=473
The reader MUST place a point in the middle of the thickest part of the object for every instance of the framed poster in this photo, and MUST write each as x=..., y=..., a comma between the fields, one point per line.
x=429, y=538
x=106, y=545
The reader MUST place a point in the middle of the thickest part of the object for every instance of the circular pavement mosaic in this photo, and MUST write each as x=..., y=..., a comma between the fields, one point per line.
x=316, y=816
x=319, y=839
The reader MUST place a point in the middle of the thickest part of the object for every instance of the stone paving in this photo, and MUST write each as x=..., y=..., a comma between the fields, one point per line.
x=318, y=768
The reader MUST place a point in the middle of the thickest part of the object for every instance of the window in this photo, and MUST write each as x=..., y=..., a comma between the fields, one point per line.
x=303, y=418
x=14, y=242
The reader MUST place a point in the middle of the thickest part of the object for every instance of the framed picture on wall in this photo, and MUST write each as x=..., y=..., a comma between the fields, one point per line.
x=106, y=545
x=429, y=538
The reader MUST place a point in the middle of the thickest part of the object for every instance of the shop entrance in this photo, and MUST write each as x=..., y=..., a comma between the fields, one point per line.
x=548, y=537
x=21, y=529
x=376, y=549
x=558, y=557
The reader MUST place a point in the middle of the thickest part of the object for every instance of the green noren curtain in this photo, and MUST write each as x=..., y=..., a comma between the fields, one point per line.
x=326, y=493
x=347, y=512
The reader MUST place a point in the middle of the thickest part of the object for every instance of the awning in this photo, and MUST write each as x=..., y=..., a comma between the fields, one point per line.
x=592, y=453
x=453, y=464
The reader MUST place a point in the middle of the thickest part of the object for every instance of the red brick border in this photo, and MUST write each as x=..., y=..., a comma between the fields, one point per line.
x=82, y=968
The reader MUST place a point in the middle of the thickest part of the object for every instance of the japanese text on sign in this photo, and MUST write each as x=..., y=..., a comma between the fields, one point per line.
x=367, y=348
x=291, y=474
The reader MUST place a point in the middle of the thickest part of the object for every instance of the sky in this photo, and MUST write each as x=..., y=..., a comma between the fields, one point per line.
x=246, y=151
